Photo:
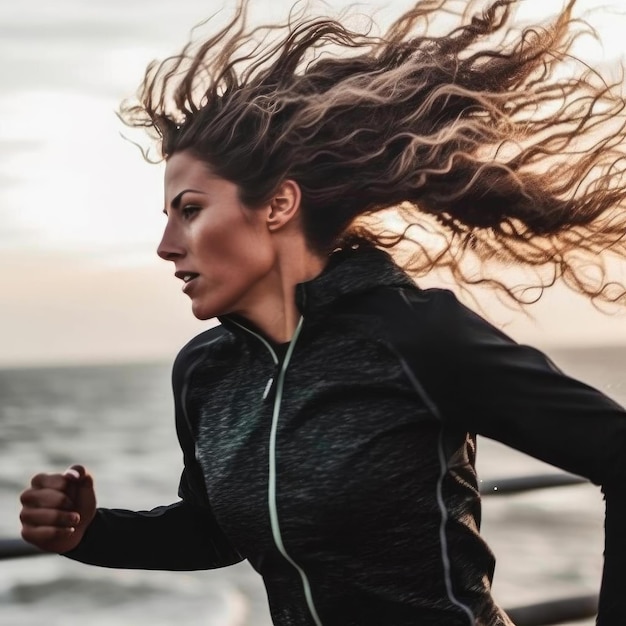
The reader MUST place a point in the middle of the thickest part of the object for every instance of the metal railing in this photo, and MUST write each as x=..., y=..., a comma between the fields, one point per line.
x=14, y=548
x=554, y=611
x=541, y=614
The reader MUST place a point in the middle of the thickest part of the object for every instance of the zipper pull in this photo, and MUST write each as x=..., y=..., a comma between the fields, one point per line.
x=268, y=393
x=268, y=388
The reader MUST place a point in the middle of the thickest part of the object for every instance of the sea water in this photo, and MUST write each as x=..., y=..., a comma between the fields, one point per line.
x=118, y=420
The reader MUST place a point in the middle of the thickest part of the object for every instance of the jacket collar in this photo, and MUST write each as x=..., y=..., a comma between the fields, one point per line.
x=349, y=271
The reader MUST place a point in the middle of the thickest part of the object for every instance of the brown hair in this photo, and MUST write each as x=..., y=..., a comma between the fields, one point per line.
x=475, y=134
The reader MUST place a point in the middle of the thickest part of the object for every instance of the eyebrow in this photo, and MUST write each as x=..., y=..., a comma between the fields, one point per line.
x=175, y=203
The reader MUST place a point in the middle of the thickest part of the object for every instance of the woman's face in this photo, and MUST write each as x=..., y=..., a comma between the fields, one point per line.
x=221, y=249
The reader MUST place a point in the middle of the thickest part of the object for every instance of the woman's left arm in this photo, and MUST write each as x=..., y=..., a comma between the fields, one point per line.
x=495, y=387
x=485, y=383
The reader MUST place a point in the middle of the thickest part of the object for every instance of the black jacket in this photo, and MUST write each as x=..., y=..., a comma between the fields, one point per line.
x=341, y=465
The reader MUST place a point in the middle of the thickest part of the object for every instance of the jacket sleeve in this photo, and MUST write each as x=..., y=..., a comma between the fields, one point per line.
x=182, y=536
x=175, y=537
x=486, y=383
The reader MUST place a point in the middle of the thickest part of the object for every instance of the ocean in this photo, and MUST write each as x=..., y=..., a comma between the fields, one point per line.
x=118, y=420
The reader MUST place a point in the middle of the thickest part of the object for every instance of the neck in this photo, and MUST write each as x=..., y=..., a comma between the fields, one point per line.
x=275, y=313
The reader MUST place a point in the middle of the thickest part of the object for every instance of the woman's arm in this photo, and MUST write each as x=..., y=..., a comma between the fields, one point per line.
x=59, y=515
x=175, y=537
x=181, y=536
x=484, y=382
x=488, y=384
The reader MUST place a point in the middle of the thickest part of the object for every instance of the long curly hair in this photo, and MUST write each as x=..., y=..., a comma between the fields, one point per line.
x=491, y=138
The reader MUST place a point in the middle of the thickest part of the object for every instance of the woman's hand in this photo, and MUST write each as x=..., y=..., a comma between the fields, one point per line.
x=57, y=509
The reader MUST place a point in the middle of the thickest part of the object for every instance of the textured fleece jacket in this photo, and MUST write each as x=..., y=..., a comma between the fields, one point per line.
x=341, y=465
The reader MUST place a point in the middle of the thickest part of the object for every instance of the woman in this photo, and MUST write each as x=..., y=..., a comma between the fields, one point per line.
x=328, y=424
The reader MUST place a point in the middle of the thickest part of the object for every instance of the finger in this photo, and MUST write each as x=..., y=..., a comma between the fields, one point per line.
x=72, y=476
x=59, y=481
x=49, y=517
x=42, y=535
x=78, y=478
x=76, y=470
x=80, y=484
x=84, y=480
x=49, y=481
x=72, y=473
x=47, y=499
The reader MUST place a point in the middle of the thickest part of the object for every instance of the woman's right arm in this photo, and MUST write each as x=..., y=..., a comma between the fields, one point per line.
x=175, y=537
x=59, y=514
x=59, y=511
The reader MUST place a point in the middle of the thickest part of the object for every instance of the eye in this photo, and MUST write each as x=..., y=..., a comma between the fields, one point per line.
x=189, y=210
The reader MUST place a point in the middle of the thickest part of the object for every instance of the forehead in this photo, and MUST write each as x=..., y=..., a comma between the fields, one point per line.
x=183, y=168
x=183, y=171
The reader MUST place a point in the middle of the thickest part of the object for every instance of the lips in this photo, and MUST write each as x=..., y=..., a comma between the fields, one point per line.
x=186, y=276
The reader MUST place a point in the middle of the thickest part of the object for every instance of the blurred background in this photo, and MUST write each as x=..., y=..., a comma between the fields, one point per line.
x=91, y=320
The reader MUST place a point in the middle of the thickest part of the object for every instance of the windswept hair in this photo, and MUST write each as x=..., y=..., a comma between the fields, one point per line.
x=493, y=136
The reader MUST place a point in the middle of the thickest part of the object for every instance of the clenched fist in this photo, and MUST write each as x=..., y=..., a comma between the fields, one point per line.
x=57, y=509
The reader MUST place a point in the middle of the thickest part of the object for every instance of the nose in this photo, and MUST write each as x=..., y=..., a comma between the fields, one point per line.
x=170, y=248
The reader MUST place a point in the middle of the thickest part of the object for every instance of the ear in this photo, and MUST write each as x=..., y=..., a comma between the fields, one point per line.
x=284, y=205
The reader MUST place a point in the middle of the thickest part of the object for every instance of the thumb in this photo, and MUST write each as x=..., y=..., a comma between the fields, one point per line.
x=80, y=491
x=78, y=477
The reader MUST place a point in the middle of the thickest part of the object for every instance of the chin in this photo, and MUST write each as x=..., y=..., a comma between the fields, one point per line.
x=203, y=312
x=206, y=308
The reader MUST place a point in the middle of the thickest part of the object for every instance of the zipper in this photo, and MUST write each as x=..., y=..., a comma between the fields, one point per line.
x=272, y=378
x=278, y=379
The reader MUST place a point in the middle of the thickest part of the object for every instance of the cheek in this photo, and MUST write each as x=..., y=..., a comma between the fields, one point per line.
x=255, y=260
x=237, y=252
x=252, y=246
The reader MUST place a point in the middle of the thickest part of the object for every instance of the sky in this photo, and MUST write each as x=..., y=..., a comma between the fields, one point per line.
x=80, y=211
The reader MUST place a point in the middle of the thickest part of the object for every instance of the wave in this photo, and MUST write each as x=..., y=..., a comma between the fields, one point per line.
x=123, y=598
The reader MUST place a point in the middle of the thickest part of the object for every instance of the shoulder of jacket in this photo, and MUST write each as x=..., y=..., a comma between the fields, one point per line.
x=410, y=303
x=197, y=348
x=427, y=324
x=450, y=328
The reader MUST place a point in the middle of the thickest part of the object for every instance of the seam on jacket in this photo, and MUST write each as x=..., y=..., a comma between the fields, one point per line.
x=185, y=387
x=261, y=339
x=183, y=405
x=434, y=409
